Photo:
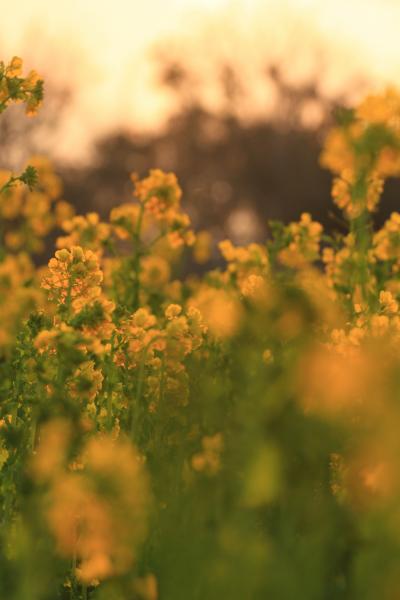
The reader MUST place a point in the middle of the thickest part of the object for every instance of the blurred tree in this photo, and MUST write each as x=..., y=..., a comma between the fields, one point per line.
x=236, y=174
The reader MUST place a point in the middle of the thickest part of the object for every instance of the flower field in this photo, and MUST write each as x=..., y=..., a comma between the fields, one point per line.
x=193, y=437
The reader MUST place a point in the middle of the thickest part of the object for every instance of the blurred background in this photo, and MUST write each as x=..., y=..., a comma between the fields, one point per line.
x=234, y=96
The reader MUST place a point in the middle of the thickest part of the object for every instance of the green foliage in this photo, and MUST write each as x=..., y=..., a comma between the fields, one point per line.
x=233, y=434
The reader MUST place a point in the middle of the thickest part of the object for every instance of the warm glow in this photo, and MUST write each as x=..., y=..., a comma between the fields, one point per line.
x=106, y=47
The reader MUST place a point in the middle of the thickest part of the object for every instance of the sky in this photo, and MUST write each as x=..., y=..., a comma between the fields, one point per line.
x=104, y=49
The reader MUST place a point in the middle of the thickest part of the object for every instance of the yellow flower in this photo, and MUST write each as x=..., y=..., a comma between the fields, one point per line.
x=172, y=311
x=143, y=318
x=124, y=219
x=268, y=357
x=388, y=302
x=379, y=325
x=304, y=242
x=221, y=311
x=86, y=508
x=85, y=231
x=381, y=108
x=44, y=339
x=50, y=458
x=337, y=154
x=14, y=68
x=74, y=276
x=209, y=459
x=30, y=81
x=160, y=190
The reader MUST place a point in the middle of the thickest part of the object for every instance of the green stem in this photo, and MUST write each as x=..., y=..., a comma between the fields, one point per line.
x=68, y=301
x=138, y=394
x=137, y=257
x=33, y=431
x=361, y=229
x=110, y=386
x=73, y=577
x=139, y=384
x=3, y=104
x=156, y=239
x=8, y=184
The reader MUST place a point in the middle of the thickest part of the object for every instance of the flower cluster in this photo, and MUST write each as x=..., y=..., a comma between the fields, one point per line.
x=303, y=242
x=87, y=500
x=158, y=349
x=74, y=278
x=245, y=263
x=209, y=459
x=29, y=214
x=16, y=88
x=386, y=242
x=160, y=196
x=258, y=401
x=363, y=152
x=87, y=231
x=18, y=295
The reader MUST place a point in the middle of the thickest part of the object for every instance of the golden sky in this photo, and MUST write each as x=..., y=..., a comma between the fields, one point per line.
x=103, y=49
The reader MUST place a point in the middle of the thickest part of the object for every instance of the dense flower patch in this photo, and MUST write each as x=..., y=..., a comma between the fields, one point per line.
x=230, y=435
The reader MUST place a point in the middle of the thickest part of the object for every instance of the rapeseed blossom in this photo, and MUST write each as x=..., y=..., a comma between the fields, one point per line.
x=154, y=426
